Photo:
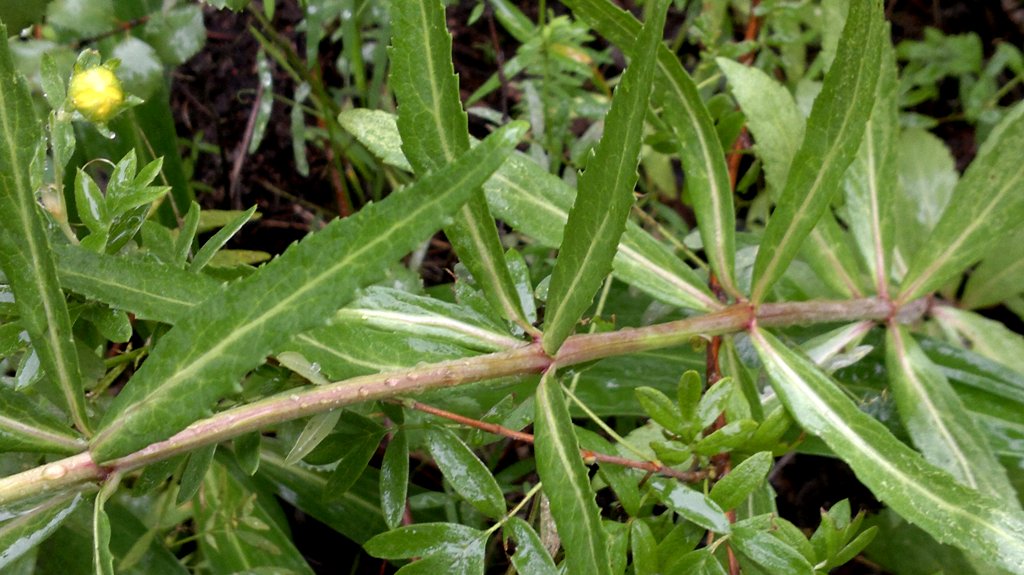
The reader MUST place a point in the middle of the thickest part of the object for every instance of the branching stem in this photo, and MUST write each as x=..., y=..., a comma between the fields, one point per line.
x=529, y=359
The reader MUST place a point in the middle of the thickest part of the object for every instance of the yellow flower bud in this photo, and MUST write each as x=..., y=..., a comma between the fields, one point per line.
x=96, y=93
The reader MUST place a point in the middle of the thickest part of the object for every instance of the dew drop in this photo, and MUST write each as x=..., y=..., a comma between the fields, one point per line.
x=363, y=392
x=391, y=382
x=293, y=397
x=314, y=367
x=54, y=471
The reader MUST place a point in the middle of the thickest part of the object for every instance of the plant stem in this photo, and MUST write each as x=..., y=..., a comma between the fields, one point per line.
x=526, y=360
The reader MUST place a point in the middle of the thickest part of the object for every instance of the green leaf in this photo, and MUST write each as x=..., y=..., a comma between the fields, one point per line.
x=358, y=450
x=834, y=132
x=896, y=475
x=147, y=289
x=102, y=558
x=699, y=147
x=691, y=505
x=176, y=34
x=25, y=256
x=468, y=475
x=730, y=491
x=22, y=533
x=445, y=547
x=217, y=241
x=927, y=176
x=317, y=428
x=937, y=420
x=435, y=132
x=662, y=410
x=769, y=552
x=236, y=529
x=81, y=17
x=537, y=203
x=565, y=482
x=247, y=452
x=356, y=514
x=186, y=235
x=26, y=426
x=644, y=548
x=1000, y=275
x=870, y=182
x=988, y=338
x=598, y=216
x=986, y=205
x=196, y=467
x=239, y=326
x=397, y=311
x=531, y=556
x=394, y=479
x=772, y=117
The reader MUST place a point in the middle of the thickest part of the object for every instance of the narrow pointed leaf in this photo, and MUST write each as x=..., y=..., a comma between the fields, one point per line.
x=467, y=474
x=435, y=132
x=537, y=203
x=986, y=205
x=699, y=147
x=198, y=464
x=924, y=494
x=25, y=256
x=22, y=533
x=317, y=428
x=208, y=352
x=598, y=216
x=102, y=557
x=770, y=552
x=24, y=426
x=927, y=176
x=778, y=128
x=398, y=311
x=937, y=420
x=147, y=289
x=986, y=337
x=833, y=135
x=444, y=548
x=217, y=241
x=394, y=479
x=566, y=484
x=870, y=185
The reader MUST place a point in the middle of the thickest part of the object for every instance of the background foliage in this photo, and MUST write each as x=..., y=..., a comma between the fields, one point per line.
x=695, y=242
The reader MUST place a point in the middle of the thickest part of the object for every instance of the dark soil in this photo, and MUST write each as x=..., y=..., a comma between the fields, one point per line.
x=214, y=94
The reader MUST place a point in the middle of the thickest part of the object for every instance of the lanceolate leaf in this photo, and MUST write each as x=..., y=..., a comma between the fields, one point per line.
x=871, y=180
x=598, y=217
x=834, y=131
x=699, y=147
x=565, y=482
x=25, y=256
x=147, y=289
x=530, y=556
x=467, y=474
x=938, y=421
x=435, y=132
x=927, y=496
x=24, y=426
x=22, y=533
x=986, y=204
x=778, y=128
x=204, y=356
x=537, y=203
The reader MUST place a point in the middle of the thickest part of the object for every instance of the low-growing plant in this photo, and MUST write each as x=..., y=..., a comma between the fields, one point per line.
x=158, y=395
